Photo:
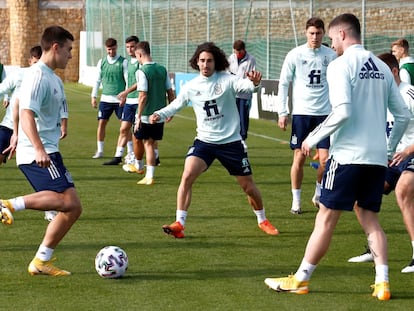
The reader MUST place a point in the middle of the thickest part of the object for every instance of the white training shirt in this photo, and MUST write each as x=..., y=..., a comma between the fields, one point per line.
x=407, y=93
x=214, y=102
x=306, y=69
x=44, y=95
x=361, y=87
x=11, y=83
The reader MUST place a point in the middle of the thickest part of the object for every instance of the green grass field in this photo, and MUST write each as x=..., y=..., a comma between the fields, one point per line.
x=222, y=262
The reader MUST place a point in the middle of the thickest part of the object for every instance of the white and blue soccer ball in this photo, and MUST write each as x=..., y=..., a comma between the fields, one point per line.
x=111, y=262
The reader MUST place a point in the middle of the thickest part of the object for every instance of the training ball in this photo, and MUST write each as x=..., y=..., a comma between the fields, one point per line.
x=111, y=262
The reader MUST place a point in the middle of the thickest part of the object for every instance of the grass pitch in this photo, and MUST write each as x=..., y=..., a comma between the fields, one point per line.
x=222, y=262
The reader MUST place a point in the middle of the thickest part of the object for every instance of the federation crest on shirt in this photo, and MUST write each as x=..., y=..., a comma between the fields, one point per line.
x=218, y=89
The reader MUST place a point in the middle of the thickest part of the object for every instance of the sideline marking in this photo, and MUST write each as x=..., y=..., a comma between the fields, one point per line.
x=282, y=141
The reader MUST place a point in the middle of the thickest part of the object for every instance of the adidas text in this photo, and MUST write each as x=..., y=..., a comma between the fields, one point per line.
x=371, y=75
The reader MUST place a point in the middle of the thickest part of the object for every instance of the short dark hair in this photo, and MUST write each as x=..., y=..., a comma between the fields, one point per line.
x=316, y=22
x=36, y=51
x=144, y=46
x=239, y=45
x=390, y=60
x=349, y=19
x=220, y=59
x=54, y=34
x=110, y=42
x=132, y=39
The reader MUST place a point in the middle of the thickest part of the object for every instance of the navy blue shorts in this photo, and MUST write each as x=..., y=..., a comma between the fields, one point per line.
x=232, y=156
x=147, y=131
x=394, y=173
x=5, y=135
x=301, y=127
x=106, y=109
x=54, y=178
x=128, y=114
x=343, y=185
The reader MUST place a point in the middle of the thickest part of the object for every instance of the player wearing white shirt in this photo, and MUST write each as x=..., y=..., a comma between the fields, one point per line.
x=213, y=97
x=12, y=84
x=404, y=191
x=305, y=67
x=361, y=88
x=113, y=74
x=38, y=157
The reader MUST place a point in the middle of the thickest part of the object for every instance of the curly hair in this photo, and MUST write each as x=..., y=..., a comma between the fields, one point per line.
x=220, y=59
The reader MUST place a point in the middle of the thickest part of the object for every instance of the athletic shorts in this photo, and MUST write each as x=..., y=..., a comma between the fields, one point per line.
x=301, y=127
x=128, y=113
x=394, y=173
x=54, y=178
x=5, y=135
x=343, y=185
x=147, y=131
x=106, y=110
x=232, y=156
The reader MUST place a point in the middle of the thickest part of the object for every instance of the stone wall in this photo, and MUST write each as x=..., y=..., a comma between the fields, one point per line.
x=24, y=22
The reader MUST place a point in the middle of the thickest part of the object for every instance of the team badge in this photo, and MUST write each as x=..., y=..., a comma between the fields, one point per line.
x=217, y=89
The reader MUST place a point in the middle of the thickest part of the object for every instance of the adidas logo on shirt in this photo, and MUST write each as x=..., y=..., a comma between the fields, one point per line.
x=370, y=71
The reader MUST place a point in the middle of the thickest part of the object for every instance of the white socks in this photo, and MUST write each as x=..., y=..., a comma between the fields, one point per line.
x=18, y=204
x=305, y=271
x=44, y=253
x=296, y=194
x=412, y=244
x=119, y=152
x=261, y=215
x=130, y=147
x=181, y=216
x=100, y=146
x=381, y=273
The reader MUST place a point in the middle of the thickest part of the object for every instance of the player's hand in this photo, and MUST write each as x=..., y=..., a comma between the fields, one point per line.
x=122, y=95
x=137, y=124
x=11, y=149
x=399, y=157
x=306, y=150
x=255, y=77
x=6, y=103
x=122, y=101
x=93, y=102
x=63, y=133
x=154, y=118
x=42, y=159
x=282, y=122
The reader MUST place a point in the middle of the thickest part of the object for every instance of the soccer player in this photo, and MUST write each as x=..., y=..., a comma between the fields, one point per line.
x=361, y=88
x=130, y=101
x=42, y=105
x=404, y=190
x=113, y=74
x=153, y=85
x=9, y=124
x=400, y=49
x=12, y=84
x=213, y=98
x=305, y=67
x=242, y=62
